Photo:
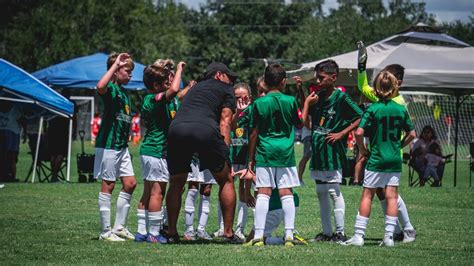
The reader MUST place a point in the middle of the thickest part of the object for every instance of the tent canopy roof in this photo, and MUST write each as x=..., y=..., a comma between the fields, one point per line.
x=85, y=72
x=19, y=84
x=446, y=68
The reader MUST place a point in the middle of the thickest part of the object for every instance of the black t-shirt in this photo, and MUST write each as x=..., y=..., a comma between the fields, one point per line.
x=204, y=103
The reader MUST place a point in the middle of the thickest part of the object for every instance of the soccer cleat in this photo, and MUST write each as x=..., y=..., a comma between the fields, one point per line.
x=124, y=233
x=240, y=235
x=298, y=240
x=409, y=235
x=189, y=236
x=203, y=235
x=255, y=242
x=218, y=233
x=398, y=236
x=232, y=240
x=110, y=236
x=387, y=241
x=321, y=237
x=140, y=238
x=356, y=240
x=339, y=237
x=173, y=239
x=289, y=242
x=159, y=239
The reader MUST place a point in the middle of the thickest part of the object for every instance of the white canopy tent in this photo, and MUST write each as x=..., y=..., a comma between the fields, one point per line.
x=428, y=68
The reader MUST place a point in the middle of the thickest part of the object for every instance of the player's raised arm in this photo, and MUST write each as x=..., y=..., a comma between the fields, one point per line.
x=362, y=80
x=312, y=98
x=174, y=88
x=119, y=62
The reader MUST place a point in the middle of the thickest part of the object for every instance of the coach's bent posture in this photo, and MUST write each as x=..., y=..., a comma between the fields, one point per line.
x=202, y=126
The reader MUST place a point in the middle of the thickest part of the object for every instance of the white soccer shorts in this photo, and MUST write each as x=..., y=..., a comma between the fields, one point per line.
x=381, y=180
x=281, y=177
x=195, y=175
x=334, y=176
x=111, y=164
x=154, y=169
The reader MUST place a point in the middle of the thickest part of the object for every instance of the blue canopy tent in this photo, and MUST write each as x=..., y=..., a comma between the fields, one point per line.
x=85, y=72
x=20, y=87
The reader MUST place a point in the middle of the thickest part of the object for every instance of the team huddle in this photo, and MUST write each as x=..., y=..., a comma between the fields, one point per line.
x=213, y=133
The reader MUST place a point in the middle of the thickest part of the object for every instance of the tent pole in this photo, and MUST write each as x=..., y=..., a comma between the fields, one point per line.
x=68, y=175
x=456, y=127
x=38, y=140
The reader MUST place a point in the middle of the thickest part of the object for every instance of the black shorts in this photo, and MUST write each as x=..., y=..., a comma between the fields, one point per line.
x=187, y=138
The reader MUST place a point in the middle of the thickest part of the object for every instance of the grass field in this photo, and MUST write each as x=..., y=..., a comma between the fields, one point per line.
x=59, y=224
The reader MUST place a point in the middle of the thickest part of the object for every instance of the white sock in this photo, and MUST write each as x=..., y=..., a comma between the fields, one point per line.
x=384, y=208
x=155, y=220
x=189, y=209
x=142, y=221
x=241, y=217
x=390, y=223
x=273, y=240
x=403, y=215
x=325, y=208
x=204, y=209
x=105, y=203
x=339, y=206
x=261, y=210
x=361, y=225
x=165, y=216
x=219, y=217
x=123, y=206
x=288, y=206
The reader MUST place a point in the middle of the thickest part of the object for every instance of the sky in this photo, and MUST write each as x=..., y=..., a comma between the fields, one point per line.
x=444, y=10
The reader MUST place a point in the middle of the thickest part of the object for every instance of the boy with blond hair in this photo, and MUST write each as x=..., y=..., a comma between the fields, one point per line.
x=112, y=158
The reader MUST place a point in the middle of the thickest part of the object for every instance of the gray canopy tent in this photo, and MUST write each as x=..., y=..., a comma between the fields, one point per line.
x=433, y=61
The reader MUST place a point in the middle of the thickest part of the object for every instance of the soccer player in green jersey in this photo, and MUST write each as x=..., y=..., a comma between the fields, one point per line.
x=383, y=122
x=333, y=116
x=271, y=151
x=158, y=109
x=409, y=233
x=112, y=159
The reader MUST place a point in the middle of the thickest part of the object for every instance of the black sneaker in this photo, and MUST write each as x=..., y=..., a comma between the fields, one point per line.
x=339, y=237
x=173, y=239
x=321, y=237
x=232, y=240
x=398, y=237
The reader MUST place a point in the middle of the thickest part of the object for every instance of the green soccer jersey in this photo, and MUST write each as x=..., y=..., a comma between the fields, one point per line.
x=240, y=137
x=331, y=115
x=115, y=127
x=275, y=201
x=383, y=122
x=157, y=116
x=275, y=117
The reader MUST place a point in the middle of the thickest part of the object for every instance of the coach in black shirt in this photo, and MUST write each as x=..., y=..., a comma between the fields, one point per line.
x=202, y=126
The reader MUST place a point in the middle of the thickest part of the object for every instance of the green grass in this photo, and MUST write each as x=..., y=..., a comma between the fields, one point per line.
x=59, y=224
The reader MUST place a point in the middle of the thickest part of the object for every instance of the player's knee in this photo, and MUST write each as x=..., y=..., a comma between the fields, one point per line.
x=189, y=209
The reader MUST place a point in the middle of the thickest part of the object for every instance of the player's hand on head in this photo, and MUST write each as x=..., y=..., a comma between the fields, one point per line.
x=122, y=59
x=361, y=56
x=181, y=65
x=243, y=102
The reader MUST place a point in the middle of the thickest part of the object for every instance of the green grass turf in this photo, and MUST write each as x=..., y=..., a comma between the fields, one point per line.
x=59, y=224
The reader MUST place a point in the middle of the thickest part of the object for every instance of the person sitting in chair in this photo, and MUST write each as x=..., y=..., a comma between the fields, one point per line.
x=421, y=148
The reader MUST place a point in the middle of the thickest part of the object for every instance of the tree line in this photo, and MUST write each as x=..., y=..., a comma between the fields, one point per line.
x=241, y=33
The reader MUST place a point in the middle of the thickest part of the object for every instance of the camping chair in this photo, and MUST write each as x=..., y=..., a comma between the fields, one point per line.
x=409, y=160
x=43, y=166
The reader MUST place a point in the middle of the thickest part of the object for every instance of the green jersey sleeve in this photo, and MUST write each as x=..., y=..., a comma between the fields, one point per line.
x=364, y=88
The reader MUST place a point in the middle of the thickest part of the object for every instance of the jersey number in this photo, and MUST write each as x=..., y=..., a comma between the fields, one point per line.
x=391, y=128
x=277, y=117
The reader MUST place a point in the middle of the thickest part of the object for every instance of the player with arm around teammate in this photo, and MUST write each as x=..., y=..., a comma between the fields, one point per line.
x=158, y=110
